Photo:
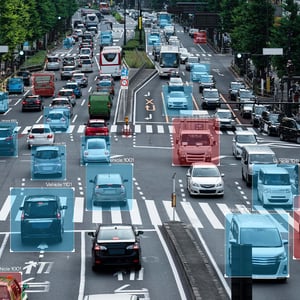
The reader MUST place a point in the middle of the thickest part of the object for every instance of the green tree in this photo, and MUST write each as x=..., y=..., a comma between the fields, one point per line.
x=287, y=36
x=252, y=22
x=14, y=22
x=226, y=12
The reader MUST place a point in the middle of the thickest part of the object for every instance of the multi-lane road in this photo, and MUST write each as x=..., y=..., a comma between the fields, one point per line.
x=64, y=272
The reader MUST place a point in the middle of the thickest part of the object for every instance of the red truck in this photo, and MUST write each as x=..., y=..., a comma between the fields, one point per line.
x=43, y=84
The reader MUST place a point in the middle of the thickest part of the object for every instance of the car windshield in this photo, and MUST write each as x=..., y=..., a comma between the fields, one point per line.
x=274, y=118
x=224, y=114
x=210, y=94
x=261, y=237
x=115, y=234
x=262, y=158
x=236, y=85
x=276, y=179
x=177, y=95
x=246, y=94
x=40, y=209
x=93, y=144
x=104, y=83
x=14, y=80
x=259, y=110
x=69, y=68
x=193, y=59
x=60, y=102
x=55, y=116
x=53, y=59
x=246, y=139
x=206, y=78
x=205, y=172
x=46, y=154
x=96, y=125
x=40, y=130
x=5, y=133
x=195, y=139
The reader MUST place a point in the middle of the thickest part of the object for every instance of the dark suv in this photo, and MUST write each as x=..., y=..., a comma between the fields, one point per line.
x=289, y=129
x=42, y=217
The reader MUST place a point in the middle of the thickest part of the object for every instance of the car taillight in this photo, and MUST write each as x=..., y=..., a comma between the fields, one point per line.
x=31, y=136
x=63, y=119
x=24, y=102
x=22, y=216
x=106, y=153
x=49, y=136
x=134, y=246
x=99, y=247
x=58, y=215
x=9, y=138
x=86, y=153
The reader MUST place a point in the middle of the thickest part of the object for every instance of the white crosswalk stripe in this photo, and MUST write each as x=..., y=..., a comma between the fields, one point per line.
x=137, y=129
x=199, y=215
x=216, y=224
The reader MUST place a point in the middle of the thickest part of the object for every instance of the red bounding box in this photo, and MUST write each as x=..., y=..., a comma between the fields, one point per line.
x=195, y=139
x=200, y=37
x=296, y=229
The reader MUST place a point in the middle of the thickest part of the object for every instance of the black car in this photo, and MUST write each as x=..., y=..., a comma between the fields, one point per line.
x=116, y=245
x=269, y=122
x=26, y=75
x=42, y=218
x=234, y=88
x=8, y=141
x=289, y=129
x=258, y=109
x=32, y=102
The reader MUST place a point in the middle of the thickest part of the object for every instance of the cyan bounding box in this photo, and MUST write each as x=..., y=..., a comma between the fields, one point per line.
x=57, y=124
x=259, y=232
x=195, y=139
x=83, y=145
x=41, y=236
x=274, y=186
x=103, y=202
x=173, y=100
x=49, y=167
x=9, y=139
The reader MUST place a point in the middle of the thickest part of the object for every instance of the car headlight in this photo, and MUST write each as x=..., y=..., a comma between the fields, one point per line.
x=195, y=184
x=219, y=184
x=282, y=256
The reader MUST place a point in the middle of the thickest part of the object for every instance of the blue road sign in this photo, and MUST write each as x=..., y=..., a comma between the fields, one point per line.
x=124, y=72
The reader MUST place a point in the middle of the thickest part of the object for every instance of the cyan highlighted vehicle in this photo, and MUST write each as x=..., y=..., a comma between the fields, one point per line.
x=15, y=85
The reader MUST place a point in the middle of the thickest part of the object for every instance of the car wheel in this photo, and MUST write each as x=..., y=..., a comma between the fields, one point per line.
x=28, y=146
x=138, y=267
x=298, y=140
x=243, y=177
x=281, y=137
x=269, y=132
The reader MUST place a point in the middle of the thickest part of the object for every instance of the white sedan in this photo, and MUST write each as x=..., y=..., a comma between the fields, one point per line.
x=204, y=179
x=40, y=134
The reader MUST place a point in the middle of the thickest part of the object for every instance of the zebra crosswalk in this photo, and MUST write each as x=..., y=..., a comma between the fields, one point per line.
x=136, y=129
x=153, y=213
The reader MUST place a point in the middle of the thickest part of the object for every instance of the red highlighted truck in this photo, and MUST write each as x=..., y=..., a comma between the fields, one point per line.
x=43, y=84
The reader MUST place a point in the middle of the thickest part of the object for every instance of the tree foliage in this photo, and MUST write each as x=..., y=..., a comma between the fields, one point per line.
x=29, y=20
x=287, y=37
x=250, y=33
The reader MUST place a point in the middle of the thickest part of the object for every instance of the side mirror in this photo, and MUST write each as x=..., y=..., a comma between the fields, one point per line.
x=91, y=234
x=63, y=207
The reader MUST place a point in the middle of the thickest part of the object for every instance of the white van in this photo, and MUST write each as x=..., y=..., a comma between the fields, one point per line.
x=255, y=155
x=274, y=186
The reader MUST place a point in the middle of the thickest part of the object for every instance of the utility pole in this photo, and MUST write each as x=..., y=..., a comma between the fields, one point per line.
x=125, y=23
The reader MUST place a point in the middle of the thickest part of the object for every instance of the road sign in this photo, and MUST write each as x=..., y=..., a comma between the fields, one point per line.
x=3, y=48
x=124, y=83
x=124, y=72
x=272, y=51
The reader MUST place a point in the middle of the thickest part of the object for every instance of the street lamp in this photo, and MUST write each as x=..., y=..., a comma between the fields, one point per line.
x=124, y=23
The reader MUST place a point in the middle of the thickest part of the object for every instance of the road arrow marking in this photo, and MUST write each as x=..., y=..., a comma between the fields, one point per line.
x=149, y=117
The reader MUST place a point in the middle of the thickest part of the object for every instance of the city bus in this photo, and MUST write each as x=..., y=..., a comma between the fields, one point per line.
x=169, y=61
x=110, y=60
